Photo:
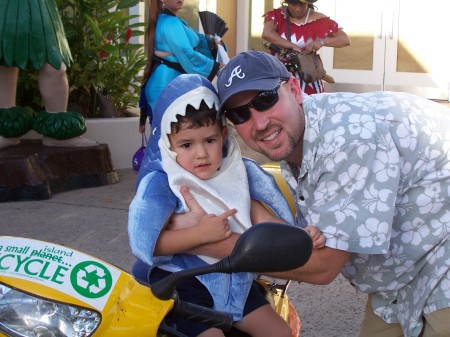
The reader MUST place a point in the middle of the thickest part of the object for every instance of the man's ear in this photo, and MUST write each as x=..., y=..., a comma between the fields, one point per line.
x=294, y=86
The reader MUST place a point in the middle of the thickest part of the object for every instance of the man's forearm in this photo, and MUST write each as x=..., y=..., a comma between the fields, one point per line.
x=322, y=268
x=217, y=250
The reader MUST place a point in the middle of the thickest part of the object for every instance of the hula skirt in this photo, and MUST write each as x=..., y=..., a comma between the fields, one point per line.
x=32, y=34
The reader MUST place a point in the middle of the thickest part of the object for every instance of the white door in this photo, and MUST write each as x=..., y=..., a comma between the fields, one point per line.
x=397, y=45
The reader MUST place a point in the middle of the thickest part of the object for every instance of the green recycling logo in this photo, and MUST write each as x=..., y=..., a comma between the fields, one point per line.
x=91, y=279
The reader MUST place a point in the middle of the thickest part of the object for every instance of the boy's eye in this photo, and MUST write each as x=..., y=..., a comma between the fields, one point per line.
x=210, y=140
x=186, y=145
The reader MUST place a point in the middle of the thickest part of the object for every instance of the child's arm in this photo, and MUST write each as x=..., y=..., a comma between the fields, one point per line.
x=211, y=228
x=261, y=214
x=258, y=213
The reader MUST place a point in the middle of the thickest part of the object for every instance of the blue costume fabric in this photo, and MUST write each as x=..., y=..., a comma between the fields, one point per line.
x=188, y=48
x=155, y=201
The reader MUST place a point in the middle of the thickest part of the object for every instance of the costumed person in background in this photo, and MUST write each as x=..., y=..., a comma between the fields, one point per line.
x=173, y=48
x=32, y=37
x=191, y=148
x=297, y=26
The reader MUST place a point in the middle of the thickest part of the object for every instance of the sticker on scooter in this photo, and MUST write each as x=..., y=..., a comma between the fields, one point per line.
x=58, y=267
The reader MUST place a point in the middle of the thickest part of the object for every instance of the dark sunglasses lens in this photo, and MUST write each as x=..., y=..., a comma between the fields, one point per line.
x=265, y=100
x=238, y=115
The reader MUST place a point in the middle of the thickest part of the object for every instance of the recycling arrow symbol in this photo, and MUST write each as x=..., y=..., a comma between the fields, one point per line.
x=91, y=279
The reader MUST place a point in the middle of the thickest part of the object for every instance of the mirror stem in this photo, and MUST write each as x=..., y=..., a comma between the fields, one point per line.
x=164, y=289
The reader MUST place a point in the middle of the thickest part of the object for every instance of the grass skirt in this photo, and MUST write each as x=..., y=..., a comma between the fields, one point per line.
x=32, y=34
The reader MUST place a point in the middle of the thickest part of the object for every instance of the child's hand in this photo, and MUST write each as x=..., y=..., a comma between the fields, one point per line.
x=213, y=228
x=317, y=236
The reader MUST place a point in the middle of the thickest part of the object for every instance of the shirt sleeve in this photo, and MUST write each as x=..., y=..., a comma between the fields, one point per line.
x=349, y=192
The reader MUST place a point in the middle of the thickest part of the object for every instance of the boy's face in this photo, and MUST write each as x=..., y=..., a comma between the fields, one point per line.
x=199, y=150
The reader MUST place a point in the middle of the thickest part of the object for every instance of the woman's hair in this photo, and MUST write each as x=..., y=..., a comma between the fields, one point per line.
x=194, y=118
x=154, y=9
x=284, y=4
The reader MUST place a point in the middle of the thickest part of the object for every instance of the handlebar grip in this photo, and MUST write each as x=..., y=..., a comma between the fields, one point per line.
x=210, y=317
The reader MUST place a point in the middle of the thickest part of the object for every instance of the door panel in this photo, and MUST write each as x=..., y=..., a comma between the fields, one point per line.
x=396, y=45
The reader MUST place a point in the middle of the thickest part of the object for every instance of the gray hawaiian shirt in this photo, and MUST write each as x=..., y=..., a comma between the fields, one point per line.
x=375, y=178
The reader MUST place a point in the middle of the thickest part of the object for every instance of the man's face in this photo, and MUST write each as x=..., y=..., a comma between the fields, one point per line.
x=277, y=132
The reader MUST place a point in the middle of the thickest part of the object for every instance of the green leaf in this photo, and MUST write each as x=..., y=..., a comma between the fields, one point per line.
x=94, y=26
x=127, y=3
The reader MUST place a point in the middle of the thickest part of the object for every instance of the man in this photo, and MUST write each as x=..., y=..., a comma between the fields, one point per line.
x=372, y=171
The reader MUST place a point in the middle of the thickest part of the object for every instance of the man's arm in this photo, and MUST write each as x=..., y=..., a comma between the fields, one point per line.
x=323, y=267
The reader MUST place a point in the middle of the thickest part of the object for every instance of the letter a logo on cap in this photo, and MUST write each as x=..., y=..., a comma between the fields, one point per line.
x=236, y=72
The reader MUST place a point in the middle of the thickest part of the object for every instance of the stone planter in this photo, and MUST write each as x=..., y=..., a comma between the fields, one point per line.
x=120, y=134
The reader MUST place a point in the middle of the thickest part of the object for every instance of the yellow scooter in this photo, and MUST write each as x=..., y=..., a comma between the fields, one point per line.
x=48, y=290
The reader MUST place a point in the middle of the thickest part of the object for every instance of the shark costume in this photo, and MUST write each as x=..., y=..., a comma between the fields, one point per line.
x=233, y=186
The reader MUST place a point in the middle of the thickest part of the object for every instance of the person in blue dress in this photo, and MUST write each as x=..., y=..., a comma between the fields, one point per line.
x=173, y=48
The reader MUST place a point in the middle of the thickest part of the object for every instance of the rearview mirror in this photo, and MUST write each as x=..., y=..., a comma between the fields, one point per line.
x=265, y=247
x=271, y=247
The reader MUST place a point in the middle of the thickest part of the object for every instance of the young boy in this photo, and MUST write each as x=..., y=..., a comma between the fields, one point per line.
x=190, y=147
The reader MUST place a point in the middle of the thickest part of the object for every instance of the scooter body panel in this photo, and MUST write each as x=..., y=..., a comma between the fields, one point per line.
x=64, y=275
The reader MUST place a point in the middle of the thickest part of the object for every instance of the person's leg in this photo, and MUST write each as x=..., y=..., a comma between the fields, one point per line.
x=264, y=322
x=260, y=318
x=374, y=326
x=54, y=89
x=437, y=324
x=8, y=88
x=212, y=333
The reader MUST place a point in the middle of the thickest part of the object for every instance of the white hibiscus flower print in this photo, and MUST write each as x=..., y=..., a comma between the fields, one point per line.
x=332, y=161
x=421, y=288
x=386, y=166
x=433, y=131
x=427, y=160
x=414, y=231
x=343, y=210
x=395, y=256
x=325, y=192
x=334, y=139
x=361, y=125
x=430, y=201
x=441, y=227
x=373, y=233
x=445, y=286
x=376, y=200
x=405, y=134
x=354, y=179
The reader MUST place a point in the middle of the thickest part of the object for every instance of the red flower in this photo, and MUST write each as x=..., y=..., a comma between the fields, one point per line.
x=103, y=54
x=128, y=35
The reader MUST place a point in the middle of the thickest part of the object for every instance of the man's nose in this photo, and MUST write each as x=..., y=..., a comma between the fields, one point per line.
x=259, y=119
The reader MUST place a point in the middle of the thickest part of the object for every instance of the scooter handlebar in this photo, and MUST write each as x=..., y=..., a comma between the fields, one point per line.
x=210, y=317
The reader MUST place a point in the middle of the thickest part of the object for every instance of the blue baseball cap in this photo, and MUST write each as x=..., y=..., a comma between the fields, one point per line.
x=250, y=70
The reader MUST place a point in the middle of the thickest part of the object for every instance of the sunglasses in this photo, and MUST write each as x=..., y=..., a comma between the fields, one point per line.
x=261, y=102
